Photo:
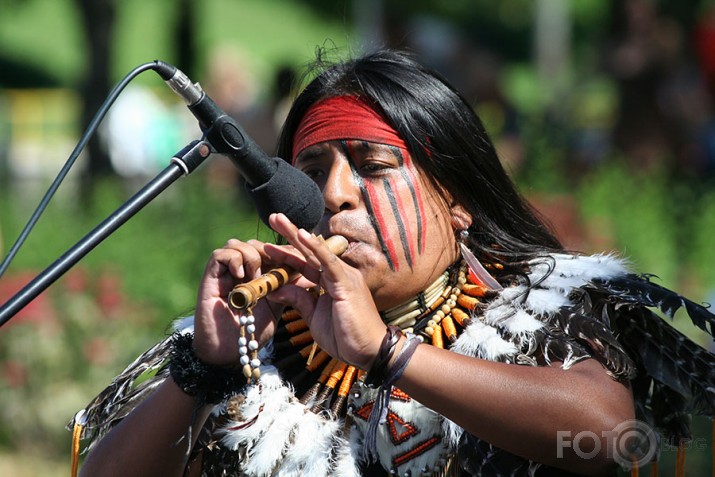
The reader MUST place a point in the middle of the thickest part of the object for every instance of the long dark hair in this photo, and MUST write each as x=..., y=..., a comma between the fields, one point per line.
x=446, y=140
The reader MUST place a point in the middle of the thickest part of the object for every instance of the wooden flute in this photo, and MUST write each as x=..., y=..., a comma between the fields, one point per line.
x=246, y=295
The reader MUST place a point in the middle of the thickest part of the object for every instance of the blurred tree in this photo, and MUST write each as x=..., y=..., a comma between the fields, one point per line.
x=19, y=74
x=98, y=18
x=185, y=33
x=648, y=50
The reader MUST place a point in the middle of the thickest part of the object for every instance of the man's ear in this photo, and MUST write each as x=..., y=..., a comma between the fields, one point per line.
x=460, y=218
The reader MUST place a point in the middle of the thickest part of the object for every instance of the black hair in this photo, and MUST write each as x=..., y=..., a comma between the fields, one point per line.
x=446, y=140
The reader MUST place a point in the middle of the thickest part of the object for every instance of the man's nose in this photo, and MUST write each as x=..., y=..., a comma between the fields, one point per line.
x=341, y=190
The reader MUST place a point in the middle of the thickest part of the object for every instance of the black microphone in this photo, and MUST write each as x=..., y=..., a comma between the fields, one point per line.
x=273, y=184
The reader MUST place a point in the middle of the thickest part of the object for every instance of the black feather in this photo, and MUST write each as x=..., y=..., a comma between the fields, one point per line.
x=670, y=413
x=676, y=376
x=478, y=457
x=640, y=290
x=123, y=394
x=592, y=329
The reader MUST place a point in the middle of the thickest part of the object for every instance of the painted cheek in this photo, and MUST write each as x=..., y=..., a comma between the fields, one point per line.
x=412, y=184
x=400, y=215
x=397, y=201
x=373, y=205
x=394, y=203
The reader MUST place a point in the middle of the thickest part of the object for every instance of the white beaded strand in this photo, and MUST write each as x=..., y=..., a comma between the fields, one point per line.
x=248, y=347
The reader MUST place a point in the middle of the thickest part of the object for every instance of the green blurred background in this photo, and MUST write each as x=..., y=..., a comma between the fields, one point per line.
x=601, y=110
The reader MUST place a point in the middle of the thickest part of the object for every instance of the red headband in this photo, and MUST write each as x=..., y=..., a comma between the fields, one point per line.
x=343, y=117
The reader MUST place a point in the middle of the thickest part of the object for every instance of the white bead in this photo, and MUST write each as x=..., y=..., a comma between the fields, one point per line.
x=251, y=318
x=243, y=320
x=244, y=360
x=242, y=341
x=251, y=328
x=255, y=363
x=243, y=350
x=253, y=345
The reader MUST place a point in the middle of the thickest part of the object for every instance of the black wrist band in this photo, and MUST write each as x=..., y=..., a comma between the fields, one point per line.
x=209, y=384
x=382, y=400
x=378, y=371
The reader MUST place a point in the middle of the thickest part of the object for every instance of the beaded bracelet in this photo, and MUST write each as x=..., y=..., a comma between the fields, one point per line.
x=378, y=371
x=209, y=384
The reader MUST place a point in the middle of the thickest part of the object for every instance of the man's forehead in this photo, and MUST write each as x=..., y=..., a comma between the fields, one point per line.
x=353, y=146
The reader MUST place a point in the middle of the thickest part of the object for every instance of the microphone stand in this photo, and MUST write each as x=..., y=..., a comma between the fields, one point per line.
x=185, y=162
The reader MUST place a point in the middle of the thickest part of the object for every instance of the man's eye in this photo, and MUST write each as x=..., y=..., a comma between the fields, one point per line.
x=374, y=167
x=313, y=172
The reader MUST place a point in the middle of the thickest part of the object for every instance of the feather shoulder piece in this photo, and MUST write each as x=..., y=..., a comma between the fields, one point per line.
x=676, y=376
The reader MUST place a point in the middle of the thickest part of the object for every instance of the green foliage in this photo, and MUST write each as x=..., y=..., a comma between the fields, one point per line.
x=636, y=210
x=121, y=298
x=261, y=34
x=702, y=253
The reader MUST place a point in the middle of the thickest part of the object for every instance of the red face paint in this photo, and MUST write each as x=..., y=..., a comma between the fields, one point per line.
x=408, y=174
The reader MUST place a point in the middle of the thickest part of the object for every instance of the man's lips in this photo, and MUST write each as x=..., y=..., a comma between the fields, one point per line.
x=352, y=242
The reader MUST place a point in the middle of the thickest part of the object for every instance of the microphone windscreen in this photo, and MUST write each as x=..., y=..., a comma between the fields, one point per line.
x=291, y=192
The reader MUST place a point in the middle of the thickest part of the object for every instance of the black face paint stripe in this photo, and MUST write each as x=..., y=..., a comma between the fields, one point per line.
x=415, y=200
x=398, y=218
x=368, y=203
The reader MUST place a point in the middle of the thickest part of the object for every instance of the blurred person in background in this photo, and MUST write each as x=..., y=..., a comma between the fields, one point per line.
x=454, y=336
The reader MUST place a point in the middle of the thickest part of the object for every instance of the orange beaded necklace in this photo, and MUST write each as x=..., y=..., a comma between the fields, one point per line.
x=442, y=310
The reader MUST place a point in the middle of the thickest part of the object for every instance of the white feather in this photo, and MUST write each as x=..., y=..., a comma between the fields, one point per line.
x=546, y=301
x=452, y=433
x=576, y=270
x=483, y=341
x=184, y=325
x=522, y=322
x=309, y=453
x=346, y=462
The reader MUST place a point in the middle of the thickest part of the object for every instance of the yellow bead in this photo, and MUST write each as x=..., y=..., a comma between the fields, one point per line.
x=256, y=373
x=446, y=309
x=440, y=314
x=247, y=371
x=429, y=330
x=432, y=324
